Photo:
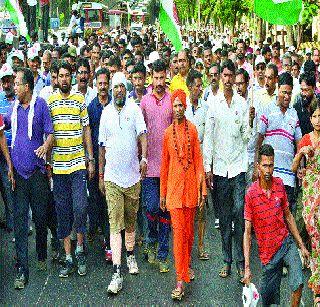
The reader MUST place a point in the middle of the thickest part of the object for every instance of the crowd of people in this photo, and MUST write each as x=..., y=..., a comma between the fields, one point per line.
x=120, y=136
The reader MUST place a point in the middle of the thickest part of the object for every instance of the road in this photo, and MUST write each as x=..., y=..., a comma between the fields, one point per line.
x=148, y=288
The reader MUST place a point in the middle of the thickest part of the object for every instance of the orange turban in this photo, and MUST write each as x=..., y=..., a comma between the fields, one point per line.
x=181, y=95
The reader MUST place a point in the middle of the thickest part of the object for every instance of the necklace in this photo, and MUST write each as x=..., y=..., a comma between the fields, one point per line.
x=175, y=142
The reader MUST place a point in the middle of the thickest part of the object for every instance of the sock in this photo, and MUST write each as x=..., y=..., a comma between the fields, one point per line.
x=130, y=240
x=116, y=244
x=79, y=249
x=68, y=257
x=129, y=253
x=117, y=269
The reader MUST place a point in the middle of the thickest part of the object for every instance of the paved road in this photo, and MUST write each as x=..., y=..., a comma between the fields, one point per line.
x=148, y=288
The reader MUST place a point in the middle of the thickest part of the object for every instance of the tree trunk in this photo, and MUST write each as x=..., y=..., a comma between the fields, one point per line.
x=289, y=40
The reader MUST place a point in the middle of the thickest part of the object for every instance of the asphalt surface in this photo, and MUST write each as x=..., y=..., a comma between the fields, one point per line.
x=148, y=288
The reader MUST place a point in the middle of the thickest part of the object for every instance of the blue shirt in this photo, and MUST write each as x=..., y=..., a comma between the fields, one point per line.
x=5, y=106
x=95, y=109
x=24, y=160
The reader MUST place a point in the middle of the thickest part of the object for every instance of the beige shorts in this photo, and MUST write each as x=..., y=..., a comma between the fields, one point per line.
x=123, y=205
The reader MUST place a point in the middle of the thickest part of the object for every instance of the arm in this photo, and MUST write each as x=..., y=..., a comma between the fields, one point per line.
x=102, y=163
x=208, y=147
x=247, y=252
x=143, y=144
x=164, y=171
x=5, y=151
x=296, y=161
x=87, y=142
x=294, y=231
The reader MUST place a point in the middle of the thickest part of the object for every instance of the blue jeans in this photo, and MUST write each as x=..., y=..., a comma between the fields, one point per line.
x=230, y=198
x=158, y=221
x=33, y=191
x=70, y=196
x=272, y=272
x=6, y=191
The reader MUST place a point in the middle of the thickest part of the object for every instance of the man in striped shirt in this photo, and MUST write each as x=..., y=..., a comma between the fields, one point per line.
x=72, y=136
x=280, y=128
x=267, y=212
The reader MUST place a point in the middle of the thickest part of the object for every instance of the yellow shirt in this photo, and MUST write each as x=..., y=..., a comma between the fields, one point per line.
x=69, y=116
x=178, y=82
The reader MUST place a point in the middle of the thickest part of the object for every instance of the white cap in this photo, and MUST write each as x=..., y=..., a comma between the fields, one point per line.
x=119, y=78
x=16, y=53
x=9, y=38
x=32, y=53
x=153, y=56
x=260, y=60
x=308, y=50
x=6, y=70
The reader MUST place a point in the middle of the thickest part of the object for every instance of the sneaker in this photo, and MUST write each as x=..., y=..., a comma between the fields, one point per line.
x=82, y=267
x=216, y=224
x=132, y=265
x=116, y=283
x=20, y=280
x=108, y=255
x=66, y=269
x=42, y=265
x=164, y=266
x=152, y=258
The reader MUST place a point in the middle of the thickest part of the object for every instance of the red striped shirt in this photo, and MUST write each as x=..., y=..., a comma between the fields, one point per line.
x=267, y=217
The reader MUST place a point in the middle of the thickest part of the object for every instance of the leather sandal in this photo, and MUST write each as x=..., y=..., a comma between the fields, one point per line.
x=178, y=292
x=225, y=271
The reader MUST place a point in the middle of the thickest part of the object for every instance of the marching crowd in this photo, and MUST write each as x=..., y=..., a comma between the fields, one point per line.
x=120, y=136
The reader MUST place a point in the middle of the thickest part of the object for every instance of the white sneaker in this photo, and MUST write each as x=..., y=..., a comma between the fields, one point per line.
x=116, y=283
x=132, y=265
x=232, y=226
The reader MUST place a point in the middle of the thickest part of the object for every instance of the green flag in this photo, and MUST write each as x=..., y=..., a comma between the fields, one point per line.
x=279, y=12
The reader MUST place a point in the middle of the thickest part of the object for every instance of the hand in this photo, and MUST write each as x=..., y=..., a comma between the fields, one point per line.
x=41, y=152
x=252, y=113
x=91, y=170
x=163, y=206
x=102, y=187
x=247, y=277
x=209, y=180
x=201, y=201
x=301, y=173
x=307, y=151
x=11, y=178
x=305, y=255
x=143, y=169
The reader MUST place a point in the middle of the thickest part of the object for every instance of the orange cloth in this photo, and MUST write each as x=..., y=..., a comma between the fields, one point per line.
x=181, y=95
x=183, y=234
x=177, y=185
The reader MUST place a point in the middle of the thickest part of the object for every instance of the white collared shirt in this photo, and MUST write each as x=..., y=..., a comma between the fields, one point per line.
x=226, y=136
x=90, y=94
x=197, y=116
x=118, y=133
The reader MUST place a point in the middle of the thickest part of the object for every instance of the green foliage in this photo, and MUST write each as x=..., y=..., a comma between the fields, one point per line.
x=311, y=9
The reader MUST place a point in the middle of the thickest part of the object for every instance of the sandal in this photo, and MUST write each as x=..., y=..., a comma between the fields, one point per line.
x=241, y=275
x=203, y=255
x=191, y=274
x=178, y=293
x=225, y=271
x=316, y=302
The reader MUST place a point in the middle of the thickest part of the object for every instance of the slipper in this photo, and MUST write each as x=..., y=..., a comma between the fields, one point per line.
x=178, y=292
x=225, y=271
x=203, y=255
x=191, y=274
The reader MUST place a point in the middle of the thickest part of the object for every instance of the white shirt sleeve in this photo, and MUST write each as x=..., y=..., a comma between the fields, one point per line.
x=139, y=121
x=102, y=130
x=208, y=140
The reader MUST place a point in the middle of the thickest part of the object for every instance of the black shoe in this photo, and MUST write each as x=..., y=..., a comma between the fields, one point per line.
x=66, y=269
x=20, y=280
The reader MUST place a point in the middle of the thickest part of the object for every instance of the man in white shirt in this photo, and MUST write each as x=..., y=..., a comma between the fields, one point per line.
x=214, y=77
x=83, y=74
x=122, y=126
x=196, y=112
x=227, y=132
x=47, y=91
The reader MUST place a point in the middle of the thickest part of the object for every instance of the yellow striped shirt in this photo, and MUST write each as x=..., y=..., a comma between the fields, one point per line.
x=69, y=116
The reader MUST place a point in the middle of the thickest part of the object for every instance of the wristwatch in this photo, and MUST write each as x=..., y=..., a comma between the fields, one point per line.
x=144, y=160
x=92, y=160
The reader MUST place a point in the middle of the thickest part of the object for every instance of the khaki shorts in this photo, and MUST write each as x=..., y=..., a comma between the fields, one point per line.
x=123, y=205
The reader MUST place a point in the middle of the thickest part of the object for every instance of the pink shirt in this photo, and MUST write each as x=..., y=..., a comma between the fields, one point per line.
x=158, y=116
